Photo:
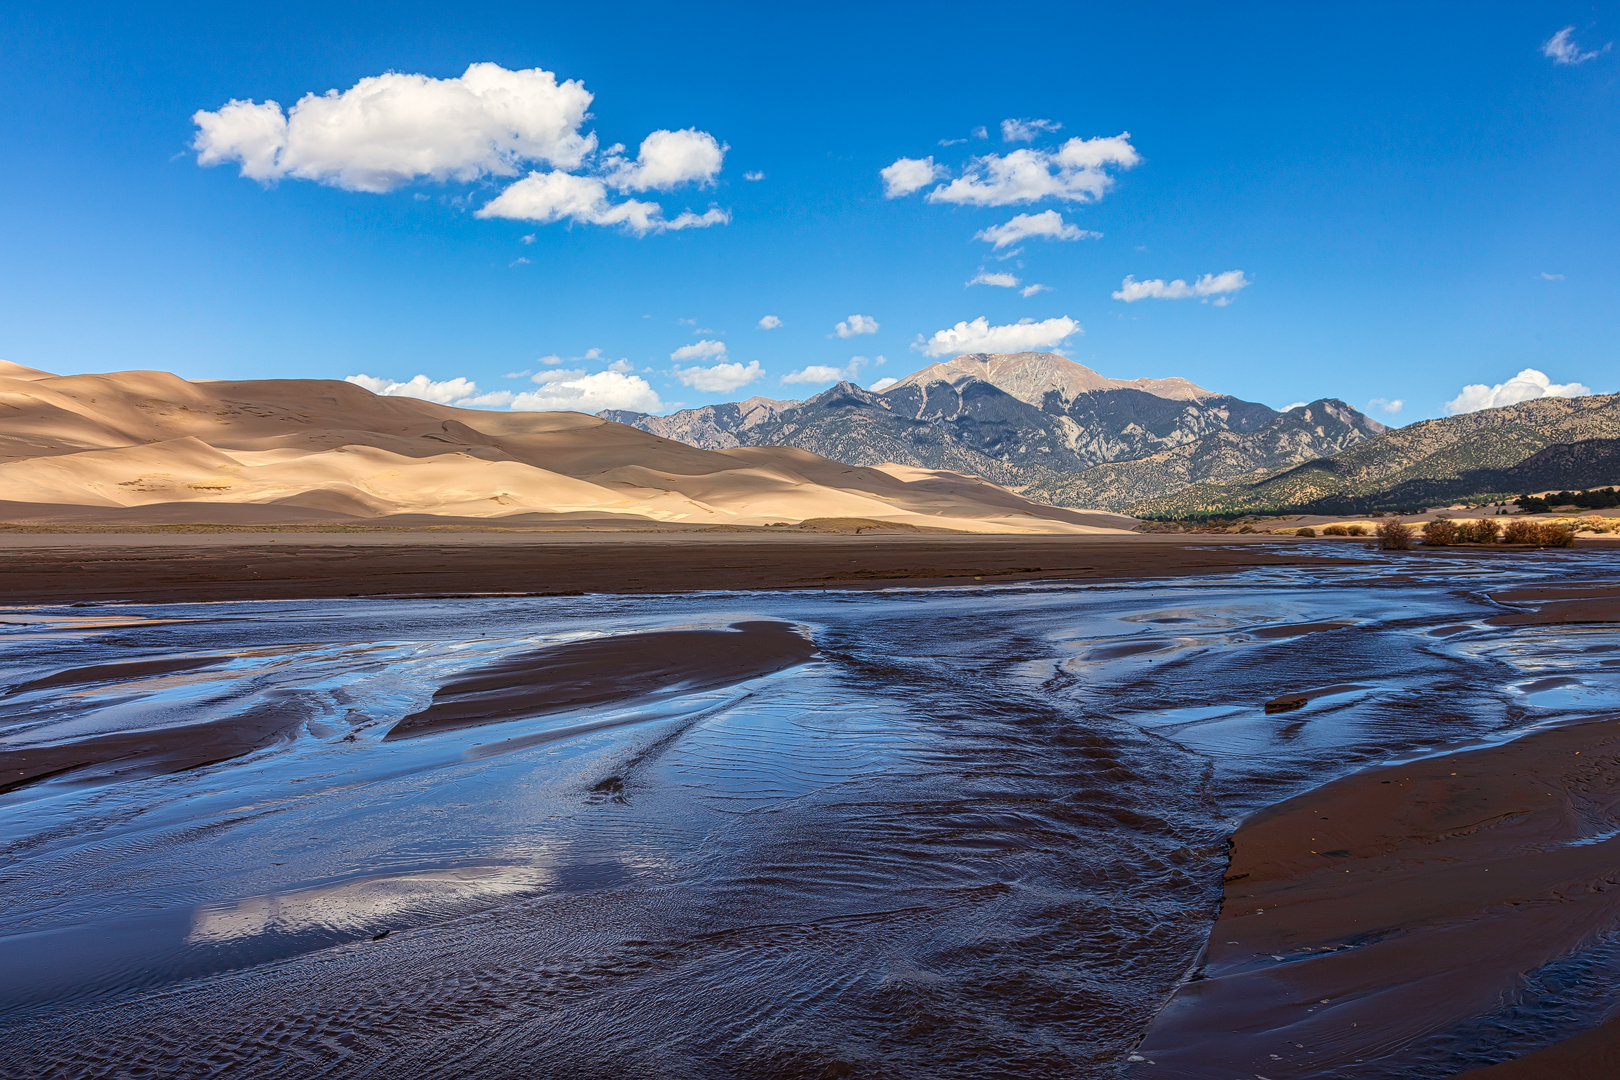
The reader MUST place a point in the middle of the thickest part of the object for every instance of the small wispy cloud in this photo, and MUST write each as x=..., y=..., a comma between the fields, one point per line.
x=1551, y=277
x=1001, y=281
x=1026, y=130
x=519, y=261
x=1210, y=285
x=529, y=239
x=1031, y=290
x=755, y=175
x=1562, y=49
x=769, y=322
x=826, y=373
x=1386, y=405
x=1047, y=225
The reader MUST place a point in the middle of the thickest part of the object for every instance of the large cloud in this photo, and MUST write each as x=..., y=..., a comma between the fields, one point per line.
x=1046, y=225
x=1218, y=285
x=1527, y=385
x=579, y=392
x=388, y=130
x=979, y=336
x=459, y=391
x=1077, y=171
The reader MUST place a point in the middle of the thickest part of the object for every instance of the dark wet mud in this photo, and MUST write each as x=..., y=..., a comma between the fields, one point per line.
x=967, y=833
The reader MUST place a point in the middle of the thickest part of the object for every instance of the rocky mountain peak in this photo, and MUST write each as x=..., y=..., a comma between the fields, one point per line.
x=1031, y=376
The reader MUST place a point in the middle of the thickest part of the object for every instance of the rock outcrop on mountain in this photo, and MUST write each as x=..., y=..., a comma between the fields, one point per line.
x=147, y=447
x=1302, y=433
x=1532, y=446
x=1034, y=422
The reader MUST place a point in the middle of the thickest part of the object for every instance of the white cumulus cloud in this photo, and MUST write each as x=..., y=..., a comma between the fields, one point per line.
x=1561, y=49
x=1386, y=405
x=979, y=336
x=699, y=350
x=985, y=277
x=910, y=174
x=667, y=160
x=390, y=129
x=1527, y=385
x=1077, y=171
x=1219, y=285
x=721, y=378
x=856, y=325
x=1026, y=130
x=883, y=384
x=769, y=322
x=447, y=392
x=1031, y=290
x=1046, y=225
x=579, y=392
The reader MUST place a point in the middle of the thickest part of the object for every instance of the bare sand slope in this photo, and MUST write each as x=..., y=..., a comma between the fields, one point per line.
x=149, y=447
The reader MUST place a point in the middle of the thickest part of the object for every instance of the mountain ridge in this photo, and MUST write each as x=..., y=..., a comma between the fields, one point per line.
x=1031, y=422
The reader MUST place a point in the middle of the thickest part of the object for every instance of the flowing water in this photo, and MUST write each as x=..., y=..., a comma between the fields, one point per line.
x=980, y=833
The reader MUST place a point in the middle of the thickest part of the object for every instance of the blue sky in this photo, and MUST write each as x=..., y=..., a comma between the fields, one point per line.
x=1414, y=198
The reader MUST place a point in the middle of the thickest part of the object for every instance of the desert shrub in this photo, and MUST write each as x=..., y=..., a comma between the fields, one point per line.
x=1355, y=530
x=1335, y=530
x=1395, y=535
x=1520, y=531
x=1376, y=513
x=1306, y=531
x=1247, y=529
x=1555, y=534
x=1484, y=531
x=1592, y=523
x=1439, y=533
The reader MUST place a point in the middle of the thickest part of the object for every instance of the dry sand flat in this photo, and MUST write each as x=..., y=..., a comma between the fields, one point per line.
x=182, y=567
x=1398, y=902
x=147, y=447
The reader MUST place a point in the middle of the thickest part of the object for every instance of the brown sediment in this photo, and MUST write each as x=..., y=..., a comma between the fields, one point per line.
x=1586, y=603
x=129, y=755
x=1289, y=702
x=614, y=670
x=129, y=669
x=163, y=569
x=1398, y=903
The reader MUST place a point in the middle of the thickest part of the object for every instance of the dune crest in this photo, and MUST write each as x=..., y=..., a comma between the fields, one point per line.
x=148, y=447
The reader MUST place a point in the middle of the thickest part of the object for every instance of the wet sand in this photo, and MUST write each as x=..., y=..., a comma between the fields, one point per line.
x=620, y=670
x=1397, y=902
x=180, y=568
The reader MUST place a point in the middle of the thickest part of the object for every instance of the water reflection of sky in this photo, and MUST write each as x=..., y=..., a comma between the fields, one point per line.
x=1071, y=749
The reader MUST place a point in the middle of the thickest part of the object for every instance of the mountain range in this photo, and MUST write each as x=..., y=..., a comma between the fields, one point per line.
x=1548, y=443
x=1034, y=422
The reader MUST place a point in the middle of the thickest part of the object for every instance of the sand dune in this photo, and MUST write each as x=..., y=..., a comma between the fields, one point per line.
x=150, y=447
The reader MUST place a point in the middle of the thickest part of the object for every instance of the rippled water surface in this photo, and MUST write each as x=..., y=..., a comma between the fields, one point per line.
x=980, y=833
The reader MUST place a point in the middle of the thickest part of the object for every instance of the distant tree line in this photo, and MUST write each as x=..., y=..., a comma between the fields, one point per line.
x=1596, y=499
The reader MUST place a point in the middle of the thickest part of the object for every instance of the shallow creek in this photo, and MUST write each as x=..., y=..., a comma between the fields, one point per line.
x=979, y=832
